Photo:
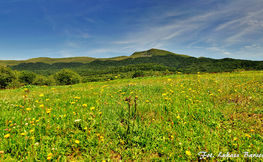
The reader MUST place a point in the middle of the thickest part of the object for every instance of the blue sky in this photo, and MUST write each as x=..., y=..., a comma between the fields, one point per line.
x=108, y=28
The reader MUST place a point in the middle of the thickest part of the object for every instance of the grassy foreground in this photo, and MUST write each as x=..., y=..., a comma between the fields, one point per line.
x=166, y=118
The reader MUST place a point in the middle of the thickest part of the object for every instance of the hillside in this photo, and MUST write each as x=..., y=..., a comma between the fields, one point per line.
x=153, y=52
x=168, y=60
x=47, y=60
x=45, y=63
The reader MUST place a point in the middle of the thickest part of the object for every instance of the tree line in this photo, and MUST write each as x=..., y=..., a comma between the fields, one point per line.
x=74, y=72
x=13, y=78
x=178, y=62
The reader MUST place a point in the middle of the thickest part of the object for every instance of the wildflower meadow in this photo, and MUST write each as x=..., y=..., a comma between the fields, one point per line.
x=194, y=117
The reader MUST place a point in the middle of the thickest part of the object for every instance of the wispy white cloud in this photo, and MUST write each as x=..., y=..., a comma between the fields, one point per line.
x=48, y=17
x=222, y=29
x=205, y=26
x=255, y=23
x=183, y=29
x=214, y=48
x=159, y=33
x=229, y=24
x=217, y=49
x=226, y=53
x=252, y=46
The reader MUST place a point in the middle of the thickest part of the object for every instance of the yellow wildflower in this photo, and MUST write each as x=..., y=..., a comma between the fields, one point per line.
x=7, y=136
x=92, y=108
x=77, y=141
x=188, y=153
x=28, y=109
x=48, y=111
x=49, y=156
x=41, y=95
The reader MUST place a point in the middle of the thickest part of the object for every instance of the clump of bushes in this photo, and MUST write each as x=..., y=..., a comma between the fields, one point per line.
x=67, y=77
x=27, y=77
x=7, y=76
x=42, y=80
x=138, y=73
x=10, y=79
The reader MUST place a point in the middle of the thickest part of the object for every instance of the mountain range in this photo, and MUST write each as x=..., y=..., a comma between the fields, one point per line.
x=170, y=60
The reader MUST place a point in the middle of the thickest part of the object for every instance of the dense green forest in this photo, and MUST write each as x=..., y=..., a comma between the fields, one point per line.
x=178, y=63
x=146, y=63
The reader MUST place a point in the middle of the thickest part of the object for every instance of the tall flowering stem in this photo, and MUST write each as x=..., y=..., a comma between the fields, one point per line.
x=129, y=113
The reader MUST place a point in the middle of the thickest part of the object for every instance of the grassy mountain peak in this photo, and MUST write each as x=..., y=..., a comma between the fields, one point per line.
x=153, y=52
x=48, y=60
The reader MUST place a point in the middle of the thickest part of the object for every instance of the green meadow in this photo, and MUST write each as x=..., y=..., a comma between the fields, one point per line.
x=168, y=118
